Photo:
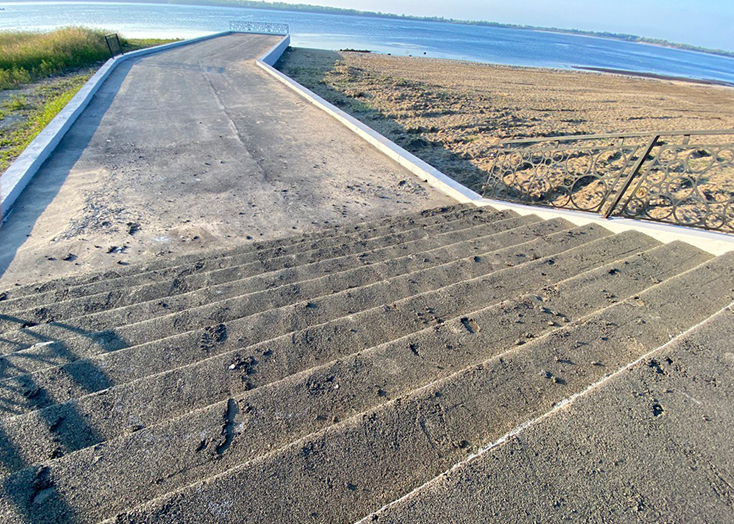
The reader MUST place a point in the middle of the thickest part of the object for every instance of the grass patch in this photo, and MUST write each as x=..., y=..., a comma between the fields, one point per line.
x=27, y=56
x=33, y=112
x=16, y=103
x=133, y=44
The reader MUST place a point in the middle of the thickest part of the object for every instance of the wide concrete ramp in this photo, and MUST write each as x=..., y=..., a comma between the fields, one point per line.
x=190, y=149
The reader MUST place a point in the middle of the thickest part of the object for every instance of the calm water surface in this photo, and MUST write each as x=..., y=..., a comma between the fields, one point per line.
x=401, y=37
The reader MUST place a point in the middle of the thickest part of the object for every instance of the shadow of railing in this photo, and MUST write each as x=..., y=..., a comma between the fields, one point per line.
x=27, y=482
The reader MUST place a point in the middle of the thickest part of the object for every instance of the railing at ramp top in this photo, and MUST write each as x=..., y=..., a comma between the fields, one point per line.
x=114, y=45
x=262, y=28
x=683, y=177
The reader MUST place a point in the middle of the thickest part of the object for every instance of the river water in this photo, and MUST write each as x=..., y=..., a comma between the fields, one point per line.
x=401, y=37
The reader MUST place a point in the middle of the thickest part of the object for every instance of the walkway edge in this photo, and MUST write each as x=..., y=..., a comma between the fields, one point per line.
x=412, y=163
x=709, y=241
x=23, y=169
x=712, y=242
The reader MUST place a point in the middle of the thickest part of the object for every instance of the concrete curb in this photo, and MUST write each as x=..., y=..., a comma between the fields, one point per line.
x=709, y=241
x=421, y=169
x=23, y=169
x=714, y=243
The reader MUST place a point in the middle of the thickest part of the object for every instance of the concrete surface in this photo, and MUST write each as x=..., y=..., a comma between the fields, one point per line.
x=665, y=457
x=191, y=149
x=412, y=163
x=346, y=470
x=15, y=179
x=318, y=379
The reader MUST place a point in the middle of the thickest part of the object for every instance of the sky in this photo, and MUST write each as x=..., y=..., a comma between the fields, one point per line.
x=707, y=23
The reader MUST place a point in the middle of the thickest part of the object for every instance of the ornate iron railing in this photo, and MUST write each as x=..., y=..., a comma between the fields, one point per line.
x=684, y=178
x=266, y=28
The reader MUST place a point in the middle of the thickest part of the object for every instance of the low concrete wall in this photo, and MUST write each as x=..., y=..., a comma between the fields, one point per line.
x=709, y=241
x=421, y=169
x=276, y=51
x=714, y=243
x=22, y=170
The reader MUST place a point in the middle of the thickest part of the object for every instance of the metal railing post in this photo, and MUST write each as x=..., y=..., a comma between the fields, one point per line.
x=625, y=186
x=109, y=47
x=119, y=44
x=108, y=38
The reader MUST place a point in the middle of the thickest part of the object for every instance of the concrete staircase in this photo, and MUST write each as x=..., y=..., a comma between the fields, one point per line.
x=318, y=378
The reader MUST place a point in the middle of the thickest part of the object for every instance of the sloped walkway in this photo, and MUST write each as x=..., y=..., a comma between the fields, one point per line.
x=190, y=149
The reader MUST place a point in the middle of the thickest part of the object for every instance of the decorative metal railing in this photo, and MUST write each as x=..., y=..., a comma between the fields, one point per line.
x=684, y=177
x=244, y=26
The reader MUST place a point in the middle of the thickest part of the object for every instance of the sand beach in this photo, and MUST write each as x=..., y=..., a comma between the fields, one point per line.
x=451, y=113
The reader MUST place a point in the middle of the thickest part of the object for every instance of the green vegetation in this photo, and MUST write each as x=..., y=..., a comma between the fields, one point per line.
x=40, y=73
x=133, y=44
x=33, y=111
x=16, y=103
x=28, y=56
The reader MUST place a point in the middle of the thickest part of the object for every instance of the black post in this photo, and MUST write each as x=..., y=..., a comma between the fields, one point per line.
x=119, y=44
x=631, y=176
x=107, y=41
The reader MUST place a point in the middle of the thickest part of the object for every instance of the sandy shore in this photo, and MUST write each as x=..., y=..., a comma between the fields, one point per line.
x=451, y=113
x=656, y=76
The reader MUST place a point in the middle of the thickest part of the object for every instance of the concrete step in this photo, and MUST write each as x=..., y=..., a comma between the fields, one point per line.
x=136, y=303
x=365, y=381
x=136, y=287
x=20, y=362
x=129, y=407
x=70, y=341
x=61, y=288
x=149, y=351
x=662, y=428
x=259, y=261
x=354, y=467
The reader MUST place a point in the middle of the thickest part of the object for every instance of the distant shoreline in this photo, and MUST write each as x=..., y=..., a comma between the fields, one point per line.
x=307, y=8
x=655, y=76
